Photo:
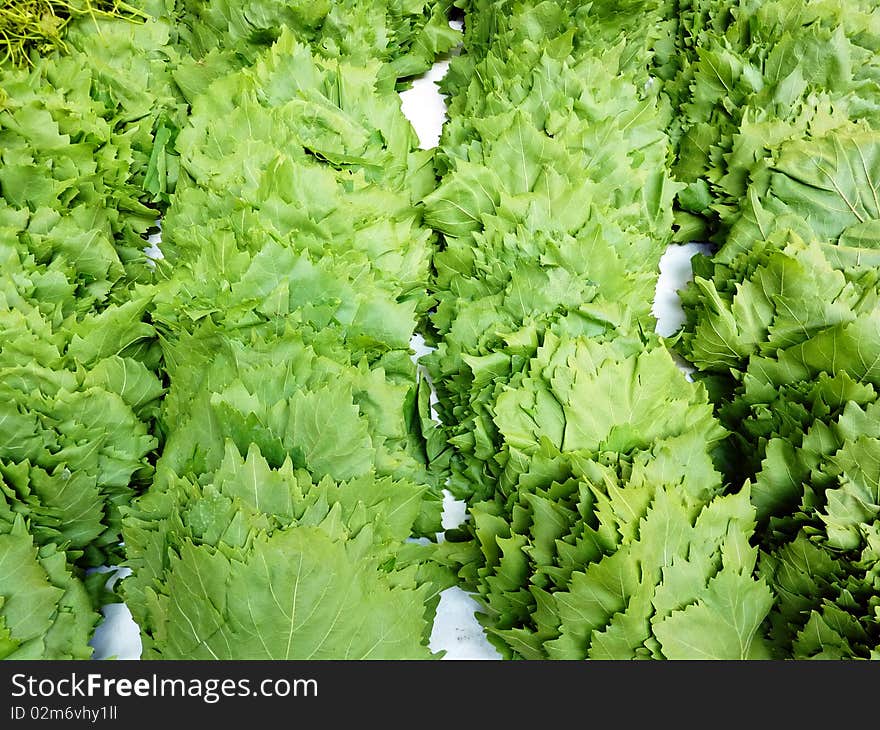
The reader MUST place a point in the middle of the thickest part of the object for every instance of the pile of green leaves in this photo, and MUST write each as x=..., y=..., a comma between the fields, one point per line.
x=784, y=330
x=598, y=527
x=783, y=320
x=612, y=541
x=554, y=206
x=277, y=325
x=405, y=36
x=295, y=271
x=754, y=74
x=254, y=562
x=79, y=183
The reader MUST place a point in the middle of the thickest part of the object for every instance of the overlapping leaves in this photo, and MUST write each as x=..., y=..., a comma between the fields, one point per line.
x=609, y=538
x=756, y=74
x=782, y=321
x=598, y=526
x=259, y=562
x=294, y=274
x=84, y=172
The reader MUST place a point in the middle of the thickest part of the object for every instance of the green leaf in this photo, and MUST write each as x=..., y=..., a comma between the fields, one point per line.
x=299, y=595
x=724, y=624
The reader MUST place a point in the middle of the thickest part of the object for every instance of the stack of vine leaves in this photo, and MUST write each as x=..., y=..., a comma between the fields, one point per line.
x=600, y=525
x=780, y=151
x=241, y=422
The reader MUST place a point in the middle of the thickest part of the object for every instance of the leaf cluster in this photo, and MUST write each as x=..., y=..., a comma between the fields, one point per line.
x=779, y=147
x=598, y=525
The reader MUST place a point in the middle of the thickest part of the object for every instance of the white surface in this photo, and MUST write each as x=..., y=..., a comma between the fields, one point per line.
x=456, y=630
x=675, y=271
x=425, y=106
x=117, y=637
